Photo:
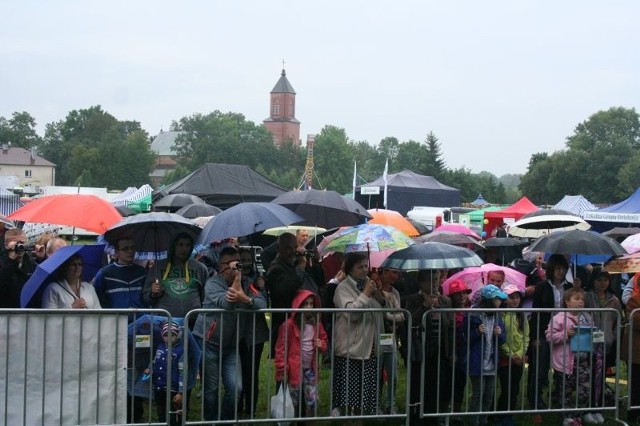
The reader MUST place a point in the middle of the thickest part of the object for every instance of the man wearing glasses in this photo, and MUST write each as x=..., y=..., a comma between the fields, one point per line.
x=119, y=284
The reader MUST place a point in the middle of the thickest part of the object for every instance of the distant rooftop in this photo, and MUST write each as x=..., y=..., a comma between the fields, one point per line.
x=14, y=156
x=283, y=85
x=164, y=142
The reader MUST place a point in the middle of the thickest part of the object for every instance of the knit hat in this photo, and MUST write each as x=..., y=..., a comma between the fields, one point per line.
x=170, y=326
x=490, y=291
x=457, y=286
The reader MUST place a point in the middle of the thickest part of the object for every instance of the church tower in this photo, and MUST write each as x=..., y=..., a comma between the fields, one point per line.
x=282, y=122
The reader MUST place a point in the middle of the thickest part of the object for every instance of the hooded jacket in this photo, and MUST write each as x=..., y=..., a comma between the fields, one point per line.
x=288, y=357
x=562, y=359
x=183, y=285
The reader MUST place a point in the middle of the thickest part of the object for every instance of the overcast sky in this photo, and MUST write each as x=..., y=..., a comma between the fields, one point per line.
x=495, y=81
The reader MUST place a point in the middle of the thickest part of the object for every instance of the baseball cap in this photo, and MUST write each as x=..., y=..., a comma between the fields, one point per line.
x=490, y=291
x=457, y=286
x=510, y=289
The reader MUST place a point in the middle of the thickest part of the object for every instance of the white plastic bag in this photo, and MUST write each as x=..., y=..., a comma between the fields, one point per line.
x=282, y=405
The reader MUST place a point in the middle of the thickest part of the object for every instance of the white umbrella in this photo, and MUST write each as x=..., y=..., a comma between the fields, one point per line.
x=544, y=222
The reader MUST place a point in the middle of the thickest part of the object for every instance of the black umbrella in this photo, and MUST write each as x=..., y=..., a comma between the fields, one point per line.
x=503, y=242
x=152, y=232
x=543, y=222
x=578, y=242
x=421, y=227
x=174, y=202
x=621, y=232
x=431, y=256
x=192, y=211
x=125, y=211
x=245, y=219
x=327, y=209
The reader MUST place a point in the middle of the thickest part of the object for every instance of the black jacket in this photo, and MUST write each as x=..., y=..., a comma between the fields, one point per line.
x=13, y=276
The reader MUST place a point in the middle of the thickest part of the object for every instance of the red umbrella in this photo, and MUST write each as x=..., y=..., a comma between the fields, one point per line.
x=80, y=210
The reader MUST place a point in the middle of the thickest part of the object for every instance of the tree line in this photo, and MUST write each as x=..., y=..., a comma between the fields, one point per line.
x=90, y=147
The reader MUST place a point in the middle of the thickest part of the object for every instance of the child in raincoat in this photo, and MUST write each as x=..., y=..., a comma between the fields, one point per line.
x=297, y=347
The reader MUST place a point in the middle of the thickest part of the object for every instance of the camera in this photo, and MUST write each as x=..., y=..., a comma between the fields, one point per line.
x=21, y=248
x=306, y=253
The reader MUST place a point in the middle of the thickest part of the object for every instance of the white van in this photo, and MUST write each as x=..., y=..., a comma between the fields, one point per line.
x=431, y=217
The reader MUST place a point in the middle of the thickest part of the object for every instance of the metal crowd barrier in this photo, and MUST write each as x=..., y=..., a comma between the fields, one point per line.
x=563, y=395
x=87, y=367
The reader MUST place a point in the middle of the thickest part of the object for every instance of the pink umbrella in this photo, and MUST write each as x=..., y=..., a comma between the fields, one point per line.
x=632, y=243
x=460, y=229
x=476, y=277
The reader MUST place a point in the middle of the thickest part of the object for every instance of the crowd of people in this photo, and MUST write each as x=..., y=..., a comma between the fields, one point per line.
x=484, y=346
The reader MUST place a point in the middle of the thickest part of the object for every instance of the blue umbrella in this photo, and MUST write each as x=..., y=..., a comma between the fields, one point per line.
x=245, y=219
x=47, y=270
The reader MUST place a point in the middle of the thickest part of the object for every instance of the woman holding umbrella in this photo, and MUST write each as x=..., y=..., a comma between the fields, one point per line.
x=69, y=291
x=356, y=339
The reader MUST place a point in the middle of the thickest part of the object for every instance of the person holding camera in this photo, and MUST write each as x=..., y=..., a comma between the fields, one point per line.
x=15, y=268
x=219, y=332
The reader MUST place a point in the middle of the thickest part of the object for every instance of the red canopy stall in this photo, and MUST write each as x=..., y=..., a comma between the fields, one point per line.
x=514, y=212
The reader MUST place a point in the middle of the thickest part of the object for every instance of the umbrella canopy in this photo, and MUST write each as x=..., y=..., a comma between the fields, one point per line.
x=420, y=227
x=313, y=230
x=503, y=242
x=431, y=255
x=125, y=211
x=80, y=210
x=460, y=229
x=328, y=209
x=449, y=237
x=174, y=202
x=618, y=232
x=192, y=211
x=367, y=237
x=632, y=243
x=543, y=222
x=247, y=218
x=7, y=223
x=577, y=242
x=46, y=272
x=392, y=218
x=627, y=263
x=477, y=277
x=152, y=232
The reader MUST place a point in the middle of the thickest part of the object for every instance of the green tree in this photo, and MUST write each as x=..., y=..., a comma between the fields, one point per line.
x=534, y=183
x=334, y=159
x=412, y=156
x=19, y=131
x=104, y=151
x=435, y=165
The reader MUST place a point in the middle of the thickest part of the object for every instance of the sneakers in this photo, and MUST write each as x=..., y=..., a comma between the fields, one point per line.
x=335, y=412
x=598, y=418
x=572, y=421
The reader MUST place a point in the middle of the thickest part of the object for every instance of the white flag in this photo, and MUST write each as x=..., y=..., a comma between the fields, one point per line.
x=354, y=178
x=384, y=178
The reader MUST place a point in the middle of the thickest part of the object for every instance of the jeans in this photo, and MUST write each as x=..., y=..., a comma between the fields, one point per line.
x=221, y=363
x=389, y=362
x=482, y=396
x=538, y=373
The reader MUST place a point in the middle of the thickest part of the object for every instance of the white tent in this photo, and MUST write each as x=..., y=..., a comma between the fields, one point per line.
x=576, y=204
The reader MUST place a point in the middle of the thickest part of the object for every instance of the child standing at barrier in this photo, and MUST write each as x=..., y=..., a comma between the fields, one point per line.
x=485, y=332
x=512, y=352
x=297, y=347
x=572, y=371
x=458, y=292
x=160, y=373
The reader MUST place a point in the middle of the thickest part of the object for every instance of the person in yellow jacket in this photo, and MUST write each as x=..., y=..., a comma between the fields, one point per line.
x=512, y=352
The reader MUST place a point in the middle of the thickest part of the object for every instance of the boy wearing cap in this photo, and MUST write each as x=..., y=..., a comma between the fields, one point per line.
x=484, y=332
x=160, y=372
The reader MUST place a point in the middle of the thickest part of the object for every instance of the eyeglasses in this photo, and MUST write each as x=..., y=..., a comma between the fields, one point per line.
x=127, y=248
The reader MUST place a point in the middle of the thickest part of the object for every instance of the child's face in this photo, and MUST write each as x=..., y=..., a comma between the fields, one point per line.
x=496, y=302
x=513, y=301
x=576, y=301
x=307, y=303
x=601, y=283
x=170, y=336
x=459, y=299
